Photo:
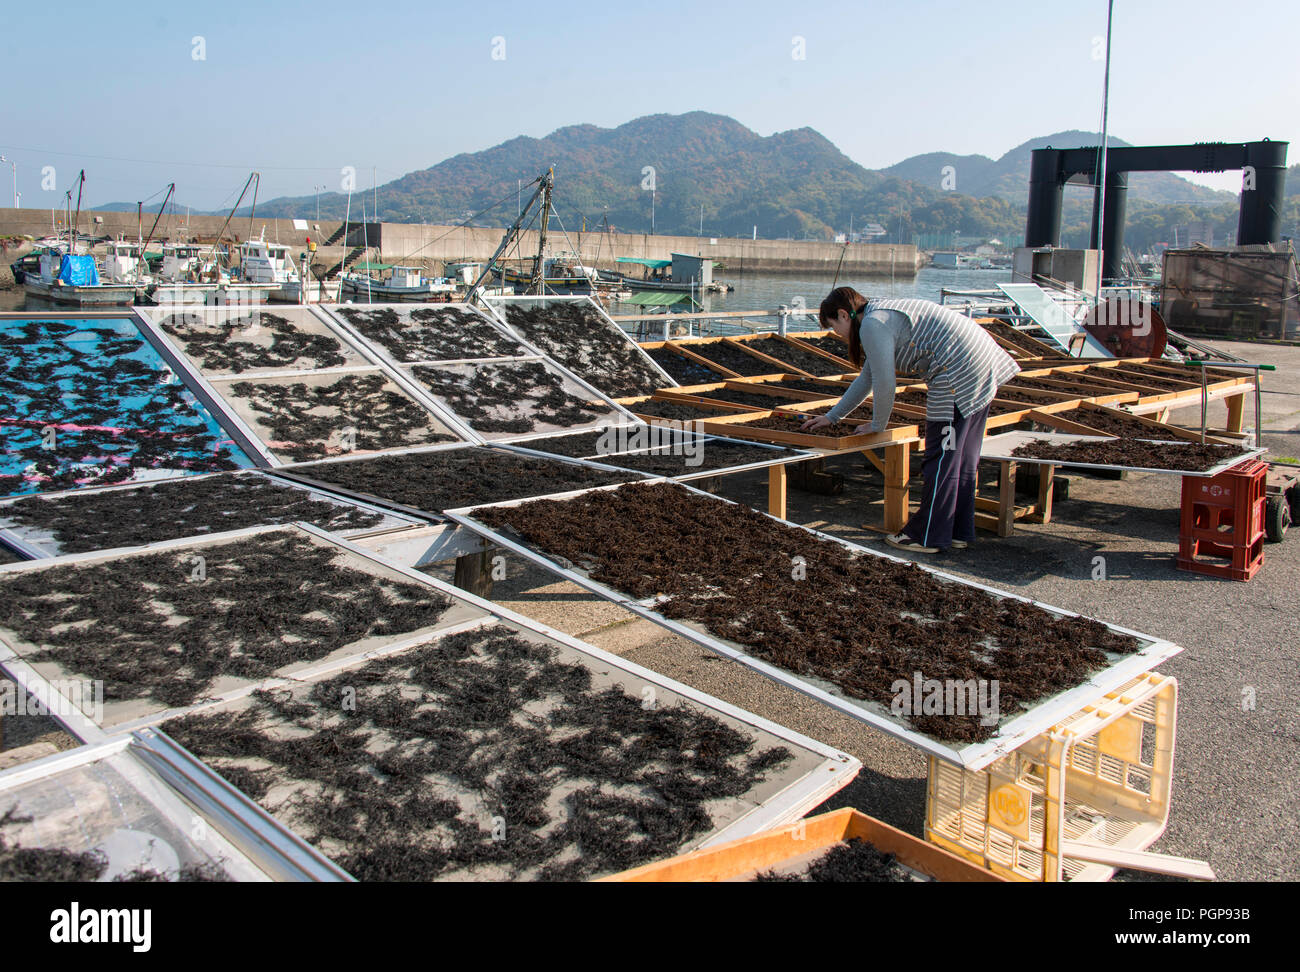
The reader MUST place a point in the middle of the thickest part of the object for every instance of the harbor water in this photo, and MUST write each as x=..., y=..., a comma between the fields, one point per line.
x=755, y=291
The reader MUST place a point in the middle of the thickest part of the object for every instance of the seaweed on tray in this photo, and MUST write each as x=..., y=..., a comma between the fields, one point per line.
x=149, y=627
x=511, y=397
x=163, y=511
x=309, y=421
x=221, y=346
x=482, y=755
x=575, y=334
x=92, y=403
x=449, y=478
x=890, y=620
x=431, y=333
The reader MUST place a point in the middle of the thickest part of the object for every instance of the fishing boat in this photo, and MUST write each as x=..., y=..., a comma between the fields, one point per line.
x=401, y=284
x=188, y=277
x=269, y=267
x=561, y=275
x=124, y=264
x=68, y=278
x=695, y=276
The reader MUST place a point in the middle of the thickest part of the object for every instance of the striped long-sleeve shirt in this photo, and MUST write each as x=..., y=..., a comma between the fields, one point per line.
x=963, y=366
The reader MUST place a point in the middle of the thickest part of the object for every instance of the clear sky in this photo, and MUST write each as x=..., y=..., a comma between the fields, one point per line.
x=300, y=90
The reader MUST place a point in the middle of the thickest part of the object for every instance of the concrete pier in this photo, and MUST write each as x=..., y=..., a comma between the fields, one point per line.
x=434, y=245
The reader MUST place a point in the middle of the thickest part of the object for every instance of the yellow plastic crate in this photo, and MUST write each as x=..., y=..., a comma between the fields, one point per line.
x=1101, y=777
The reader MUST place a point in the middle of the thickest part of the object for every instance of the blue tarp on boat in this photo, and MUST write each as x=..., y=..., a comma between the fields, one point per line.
x=79, y=271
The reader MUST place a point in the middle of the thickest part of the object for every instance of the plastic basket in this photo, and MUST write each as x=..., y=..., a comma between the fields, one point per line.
x=1222, y=528
x=1103, y=776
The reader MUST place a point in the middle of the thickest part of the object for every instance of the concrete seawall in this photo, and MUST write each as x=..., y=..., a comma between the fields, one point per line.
x=434, y=245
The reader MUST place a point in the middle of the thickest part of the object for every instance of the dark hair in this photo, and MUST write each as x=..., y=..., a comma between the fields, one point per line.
x=850, y=301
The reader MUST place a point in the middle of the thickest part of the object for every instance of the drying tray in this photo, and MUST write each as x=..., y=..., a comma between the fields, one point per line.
x=334, y=313
x=781, y=455
x=301, y=475
x=248, y=428
x=498, y=305
x=168, y=365
x=105, y=796
x=128, y=713
x=1001, y=447
x=37, y=543
x=816, y=772
x=1012, y=732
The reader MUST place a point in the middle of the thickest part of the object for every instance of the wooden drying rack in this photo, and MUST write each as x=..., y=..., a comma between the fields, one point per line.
x=1130, y=384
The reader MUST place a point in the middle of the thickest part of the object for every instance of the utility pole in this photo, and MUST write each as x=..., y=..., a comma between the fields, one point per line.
x=1099, y=192
x=701, y=219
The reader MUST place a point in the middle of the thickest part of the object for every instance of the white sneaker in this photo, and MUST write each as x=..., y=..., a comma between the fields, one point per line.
x=900, y=541
x=960, y=544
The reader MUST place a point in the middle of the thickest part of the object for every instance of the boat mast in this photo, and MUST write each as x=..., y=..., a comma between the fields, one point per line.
x=171, y=187
x=511, y=232
x=538, y=284
x=257, y=184
x=81, y=181
x=231, y=215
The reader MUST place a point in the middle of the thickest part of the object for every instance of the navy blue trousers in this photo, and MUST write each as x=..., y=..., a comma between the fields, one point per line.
x=948, y=470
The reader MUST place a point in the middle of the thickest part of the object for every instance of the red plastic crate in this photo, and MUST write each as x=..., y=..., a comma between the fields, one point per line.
x=1223, y=519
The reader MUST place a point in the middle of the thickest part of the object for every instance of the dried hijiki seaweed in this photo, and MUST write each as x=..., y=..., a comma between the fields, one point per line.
x=166, y=626
x=312, y=421
x=887, y=622
x=134, y=517
x=575, y=334
x=431, y=333
x=512, y=397
x=218, y=346
x=91, y=403
x=482, y=755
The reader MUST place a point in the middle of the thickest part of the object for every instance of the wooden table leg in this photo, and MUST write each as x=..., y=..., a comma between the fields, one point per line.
x=898, y=470
x=1043, y=511
x=1236, y=412
x=474, y=573
x=776, y=490
x=1006, y=497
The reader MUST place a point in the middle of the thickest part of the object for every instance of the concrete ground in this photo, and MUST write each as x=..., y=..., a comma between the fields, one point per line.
x=1237, y=762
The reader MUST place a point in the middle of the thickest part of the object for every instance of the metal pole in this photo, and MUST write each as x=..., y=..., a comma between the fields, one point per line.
x=1259, y=419
x=1101, y=173
x=1205, y=398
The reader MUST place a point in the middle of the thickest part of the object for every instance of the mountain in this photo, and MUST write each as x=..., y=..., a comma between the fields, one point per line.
x=713, y=174
x=1008, y=177
x=788, y=184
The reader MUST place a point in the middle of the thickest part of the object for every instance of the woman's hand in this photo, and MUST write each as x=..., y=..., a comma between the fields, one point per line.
x=813, y=424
